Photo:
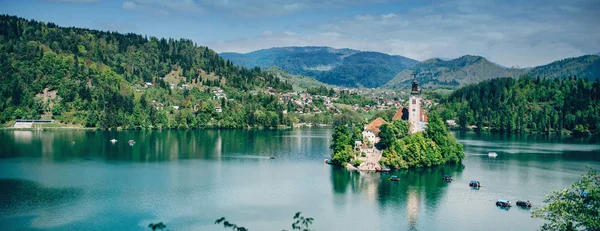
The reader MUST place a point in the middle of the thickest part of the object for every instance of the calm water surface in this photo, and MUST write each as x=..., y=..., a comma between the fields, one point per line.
x=78, y=180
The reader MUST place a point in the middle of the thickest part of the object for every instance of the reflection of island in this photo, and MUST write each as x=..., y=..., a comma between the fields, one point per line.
x=418, y=191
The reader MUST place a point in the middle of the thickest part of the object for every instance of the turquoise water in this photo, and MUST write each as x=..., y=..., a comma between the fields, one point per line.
x=78, y=180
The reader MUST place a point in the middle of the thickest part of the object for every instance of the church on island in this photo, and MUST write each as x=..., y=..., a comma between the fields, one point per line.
x=414, y=114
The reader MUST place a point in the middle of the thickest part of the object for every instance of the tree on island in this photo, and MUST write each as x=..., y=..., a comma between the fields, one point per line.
x=574, y=208
x=433, y=147
x=342, y=145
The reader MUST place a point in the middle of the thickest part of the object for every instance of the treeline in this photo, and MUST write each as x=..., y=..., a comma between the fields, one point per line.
x=94, y=73
x=527, y=105
x=433, y=147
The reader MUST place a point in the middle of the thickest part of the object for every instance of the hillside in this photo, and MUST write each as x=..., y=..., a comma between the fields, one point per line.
x=298, y=82
x=437, y=73
x=527, y=105
x=586, y=67
x=344, y=67
x=106, y=79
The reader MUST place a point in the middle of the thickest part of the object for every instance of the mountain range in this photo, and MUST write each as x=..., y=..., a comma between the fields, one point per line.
x=344, y=67
x=436, y=73
x=353, y=68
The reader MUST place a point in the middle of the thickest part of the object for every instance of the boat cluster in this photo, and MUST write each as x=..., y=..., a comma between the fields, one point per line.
x=500, y=203
x=131, y=142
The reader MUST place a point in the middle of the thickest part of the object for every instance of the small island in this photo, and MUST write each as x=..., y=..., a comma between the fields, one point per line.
x=411, y=140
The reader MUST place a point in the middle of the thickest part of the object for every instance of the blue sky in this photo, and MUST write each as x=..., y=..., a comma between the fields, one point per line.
x=511, y=33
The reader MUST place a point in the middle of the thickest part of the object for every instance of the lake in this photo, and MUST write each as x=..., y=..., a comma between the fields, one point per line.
x=78, y=180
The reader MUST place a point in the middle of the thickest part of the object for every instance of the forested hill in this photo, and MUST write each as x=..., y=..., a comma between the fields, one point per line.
x=586, y=67
x=343, y=67
x=99, y=78
x=528, y=105
x=437, y=73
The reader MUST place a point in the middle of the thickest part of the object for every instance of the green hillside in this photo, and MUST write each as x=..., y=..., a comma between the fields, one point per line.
x=586, y=67
x=298, y=82
x=107, y=80
x=527, y=105
x=344, y=67
x=437, y=73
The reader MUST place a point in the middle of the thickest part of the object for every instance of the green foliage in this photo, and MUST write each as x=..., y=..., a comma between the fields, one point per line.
x=99, y=77
x=434, y=147
x=574, y=208
x=227, y=224
x=300, y=223
x=342, y=144
x=157, y=226
x=356, y=162
x=528, y=105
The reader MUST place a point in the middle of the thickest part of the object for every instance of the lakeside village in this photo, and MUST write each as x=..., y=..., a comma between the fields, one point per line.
x=306, y=104
x=311, y=107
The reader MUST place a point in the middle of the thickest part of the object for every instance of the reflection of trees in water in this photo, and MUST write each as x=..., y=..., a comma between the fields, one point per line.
x=20, y=196
x=416, y=186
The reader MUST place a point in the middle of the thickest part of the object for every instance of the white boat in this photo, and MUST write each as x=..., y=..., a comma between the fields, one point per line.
x=113, y=141
x=492, y=154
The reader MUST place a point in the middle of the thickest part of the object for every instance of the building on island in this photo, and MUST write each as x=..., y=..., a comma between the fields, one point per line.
x=371, y=130
x=414, y=107
x=414, y=114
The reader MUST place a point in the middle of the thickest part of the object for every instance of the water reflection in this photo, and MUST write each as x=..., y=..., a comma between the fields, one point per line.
x=167, y=145
x=20, y=197
x=409, y=195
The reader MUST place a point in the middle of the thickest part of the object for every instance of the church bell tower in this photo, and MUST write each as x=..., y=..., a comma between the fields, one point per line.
x=414, y=108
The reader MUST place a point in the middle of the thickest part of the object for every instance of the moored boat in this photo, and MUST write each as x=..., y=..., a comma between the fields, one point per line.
x=492, y=154
x=503, y=203
x=448, y=178
x=382, y=169
x=113, y=141
x=524, y=203
x=475, y=183
x=131, y=142
x=394, y=178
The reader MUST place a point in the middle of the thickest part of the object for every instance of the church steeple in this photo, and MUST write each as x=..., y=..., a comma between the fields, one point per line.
x=415, y=85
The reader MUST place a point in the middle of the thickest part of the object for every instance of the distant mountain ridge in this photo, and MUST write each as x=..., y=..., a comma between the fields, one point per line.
x=353, y=68
x=586, y=67
x=345, y=67
x=436, y=73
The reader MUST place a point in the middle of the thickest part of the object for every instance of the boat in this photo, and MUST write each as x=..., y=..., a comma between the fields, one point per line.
x=448, y=178
x=327, y=161
x=382, y=169
x=394, y=178
x=503, y=203
x=492, y=154
x=475, y=183
x=113, y=141
x=131, y=142
x=272, y=157
x=524, y=203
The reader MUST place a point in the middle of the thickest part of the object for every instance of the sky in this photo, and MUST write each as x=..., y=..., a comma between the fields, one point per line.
x=510, y=33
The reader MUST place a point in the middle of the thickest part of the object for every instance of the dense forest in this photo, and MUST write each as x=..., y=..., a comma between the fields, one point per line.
x=107, y=80
x=527, y=104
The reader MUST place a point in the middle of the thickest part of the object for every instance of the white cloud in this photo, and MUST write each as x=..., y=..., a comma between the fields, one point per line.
x=129, y=5
x=163, y=7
